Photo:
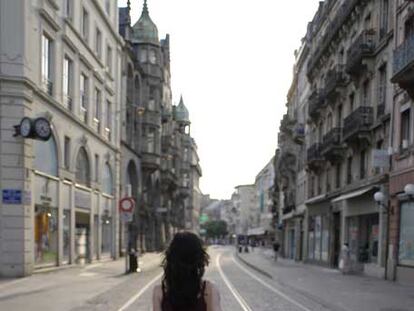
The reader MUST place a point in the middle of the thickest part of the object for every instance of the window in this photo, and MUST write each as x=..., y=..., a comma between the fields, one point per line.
x=151, y=141
x=107, y=182
x=339, y=116
x=382, y=90
x=97, y=105
x=109, y=59
x=384, y=18
x=82, y=174
x=338, y=175
x=152, y=57
x=46, y=160
x=365, y=93
x=98, y=43
x=362, y=164
x=108, y=7
x=85, y=24
x=143, y=56
x=84, y=97
x=349, y=171
x=66, y=155
x=409, y=28
x=67, y=82
x=328, y=180
x=96, y=168
x=47, y=64
x=351, y=102
x=329, y=124
x=108, y=115
x=69, y=9
x=405, y=251
x=405, y=129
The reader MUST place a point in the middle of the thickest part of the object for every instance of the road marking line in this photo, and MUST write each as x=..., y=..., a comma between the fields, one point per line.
x=270, y=287
x=139, y=294
x=235, y=293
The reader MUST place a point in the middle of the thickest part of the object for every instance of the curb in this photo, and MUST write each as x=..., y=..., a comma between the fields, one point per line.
x=261, y=271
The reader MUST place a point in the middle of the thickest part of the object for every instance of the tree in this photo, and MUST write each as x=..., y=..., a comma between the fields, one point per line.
x=216, y=228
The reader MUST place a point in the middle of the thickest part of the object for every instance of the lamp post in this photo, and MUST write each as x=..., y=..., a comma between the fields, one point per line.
x=381, y=200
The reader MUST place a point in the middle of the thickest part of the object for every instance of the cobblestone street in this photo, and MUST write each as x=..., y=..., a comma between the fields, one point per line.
x=243, y=286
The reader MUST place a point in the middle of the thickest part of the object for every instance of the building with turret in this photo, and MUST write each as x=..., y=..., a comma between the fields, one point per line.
x=160, y=133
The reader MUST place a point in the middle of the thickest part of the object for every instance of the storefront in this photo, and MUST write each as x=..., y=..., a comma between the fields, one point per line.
x=82, y=226
x=107, y=223
x=364, y=230
x=319, y=231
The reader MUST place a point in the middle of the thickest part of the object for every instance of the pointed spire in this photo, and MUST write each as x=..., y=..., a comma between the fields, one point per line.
x=129, y=5
x=181, y=100
x=145, y=9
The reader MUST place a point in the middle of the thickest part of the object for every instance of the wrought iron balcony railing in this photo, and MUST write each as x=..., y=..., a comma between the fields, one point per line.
x=331, y=139
x=362, y=47
x=334, y=78
x=316, y=101
x=314, y=153
x=341, y=17
x=403, y=55
x=358, y=121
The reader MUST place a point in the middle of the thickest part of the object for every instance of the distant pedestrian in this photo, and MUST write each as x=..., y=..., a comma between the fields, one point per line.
x=183, y=287
x=345, y=261
x=276, y=246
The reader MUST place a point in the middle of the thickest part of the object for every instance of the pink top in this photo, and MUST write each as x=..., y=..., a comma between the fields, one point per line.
x=211, y=296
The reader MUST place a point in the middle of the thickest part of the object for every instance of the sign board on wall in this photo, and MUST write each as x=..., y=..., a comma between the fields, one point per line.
x=82, y=199
x=380, y=158
x=12, y=196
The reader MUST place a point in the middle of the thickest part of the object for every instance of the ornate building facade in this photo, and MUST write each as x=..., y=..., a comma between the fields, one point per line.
x=158, y=132
x=335, y=135
x=59, y=60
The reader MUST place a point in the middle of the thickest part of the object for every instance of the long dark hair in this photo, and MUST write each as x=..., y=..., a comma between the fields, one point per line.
x=184, y=265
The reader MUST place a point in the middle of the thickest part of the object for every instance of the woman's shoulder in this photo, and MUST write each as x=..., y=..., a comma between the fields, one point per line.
x=210, y=287
x=157, y=291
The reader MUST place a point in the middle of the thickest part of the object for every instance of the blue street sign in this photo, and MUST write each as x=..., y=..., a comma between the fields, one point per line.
x=12, y=196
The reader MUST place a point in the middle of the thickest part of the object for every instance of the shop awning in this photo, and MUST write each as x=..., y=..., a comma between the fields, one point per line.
x=316, y=199
x=353, y=194
x=256, y=231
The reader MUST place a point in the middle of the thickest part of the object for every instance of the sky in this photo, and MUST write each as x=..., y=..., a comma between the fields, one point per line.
x=232, y=61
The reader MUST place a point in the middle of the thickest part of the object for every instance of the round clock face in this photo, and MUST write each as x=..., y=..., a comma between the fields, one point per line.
x=25, y=127
x=42, y=128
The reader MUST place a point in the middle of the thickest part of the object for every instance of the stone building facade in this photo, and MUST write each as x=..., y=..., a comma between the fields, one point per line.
x=104, y=85
x=59, y=60
x=165, y=158
x=334, y=136
x=400, y=264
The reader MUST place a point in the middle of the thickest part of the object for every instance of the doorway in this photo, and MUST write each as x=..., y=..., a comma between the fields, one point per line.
x=82, y=232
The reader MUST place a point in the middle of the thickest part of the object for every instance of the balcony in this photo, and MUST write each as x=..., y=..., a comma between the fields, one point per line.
x=357, y=124
x=316, y=102
x=150, y=161
x=363, y=47
x=331, y=147
x=335, y=79
x=404, y=66
x=344, y=12
x=380, y=110
x=299, y=133
x=152, y=118
x=315, y=159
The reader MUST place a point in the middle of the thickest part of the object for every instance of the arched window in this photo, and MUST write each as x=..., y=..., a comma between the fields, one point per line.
x=107, y=181
x=83, y=174
x=46, y=156
x=132, y=179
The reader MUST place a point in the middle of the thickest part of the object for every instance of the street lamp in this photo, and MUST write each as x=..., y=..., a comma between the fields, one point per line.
x=409, y=190
x=379, y=197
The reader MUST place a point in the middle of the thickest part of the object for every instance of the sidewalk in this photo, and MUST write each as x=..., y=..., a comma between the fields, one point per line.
x=147, y=261
x=329, y=286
